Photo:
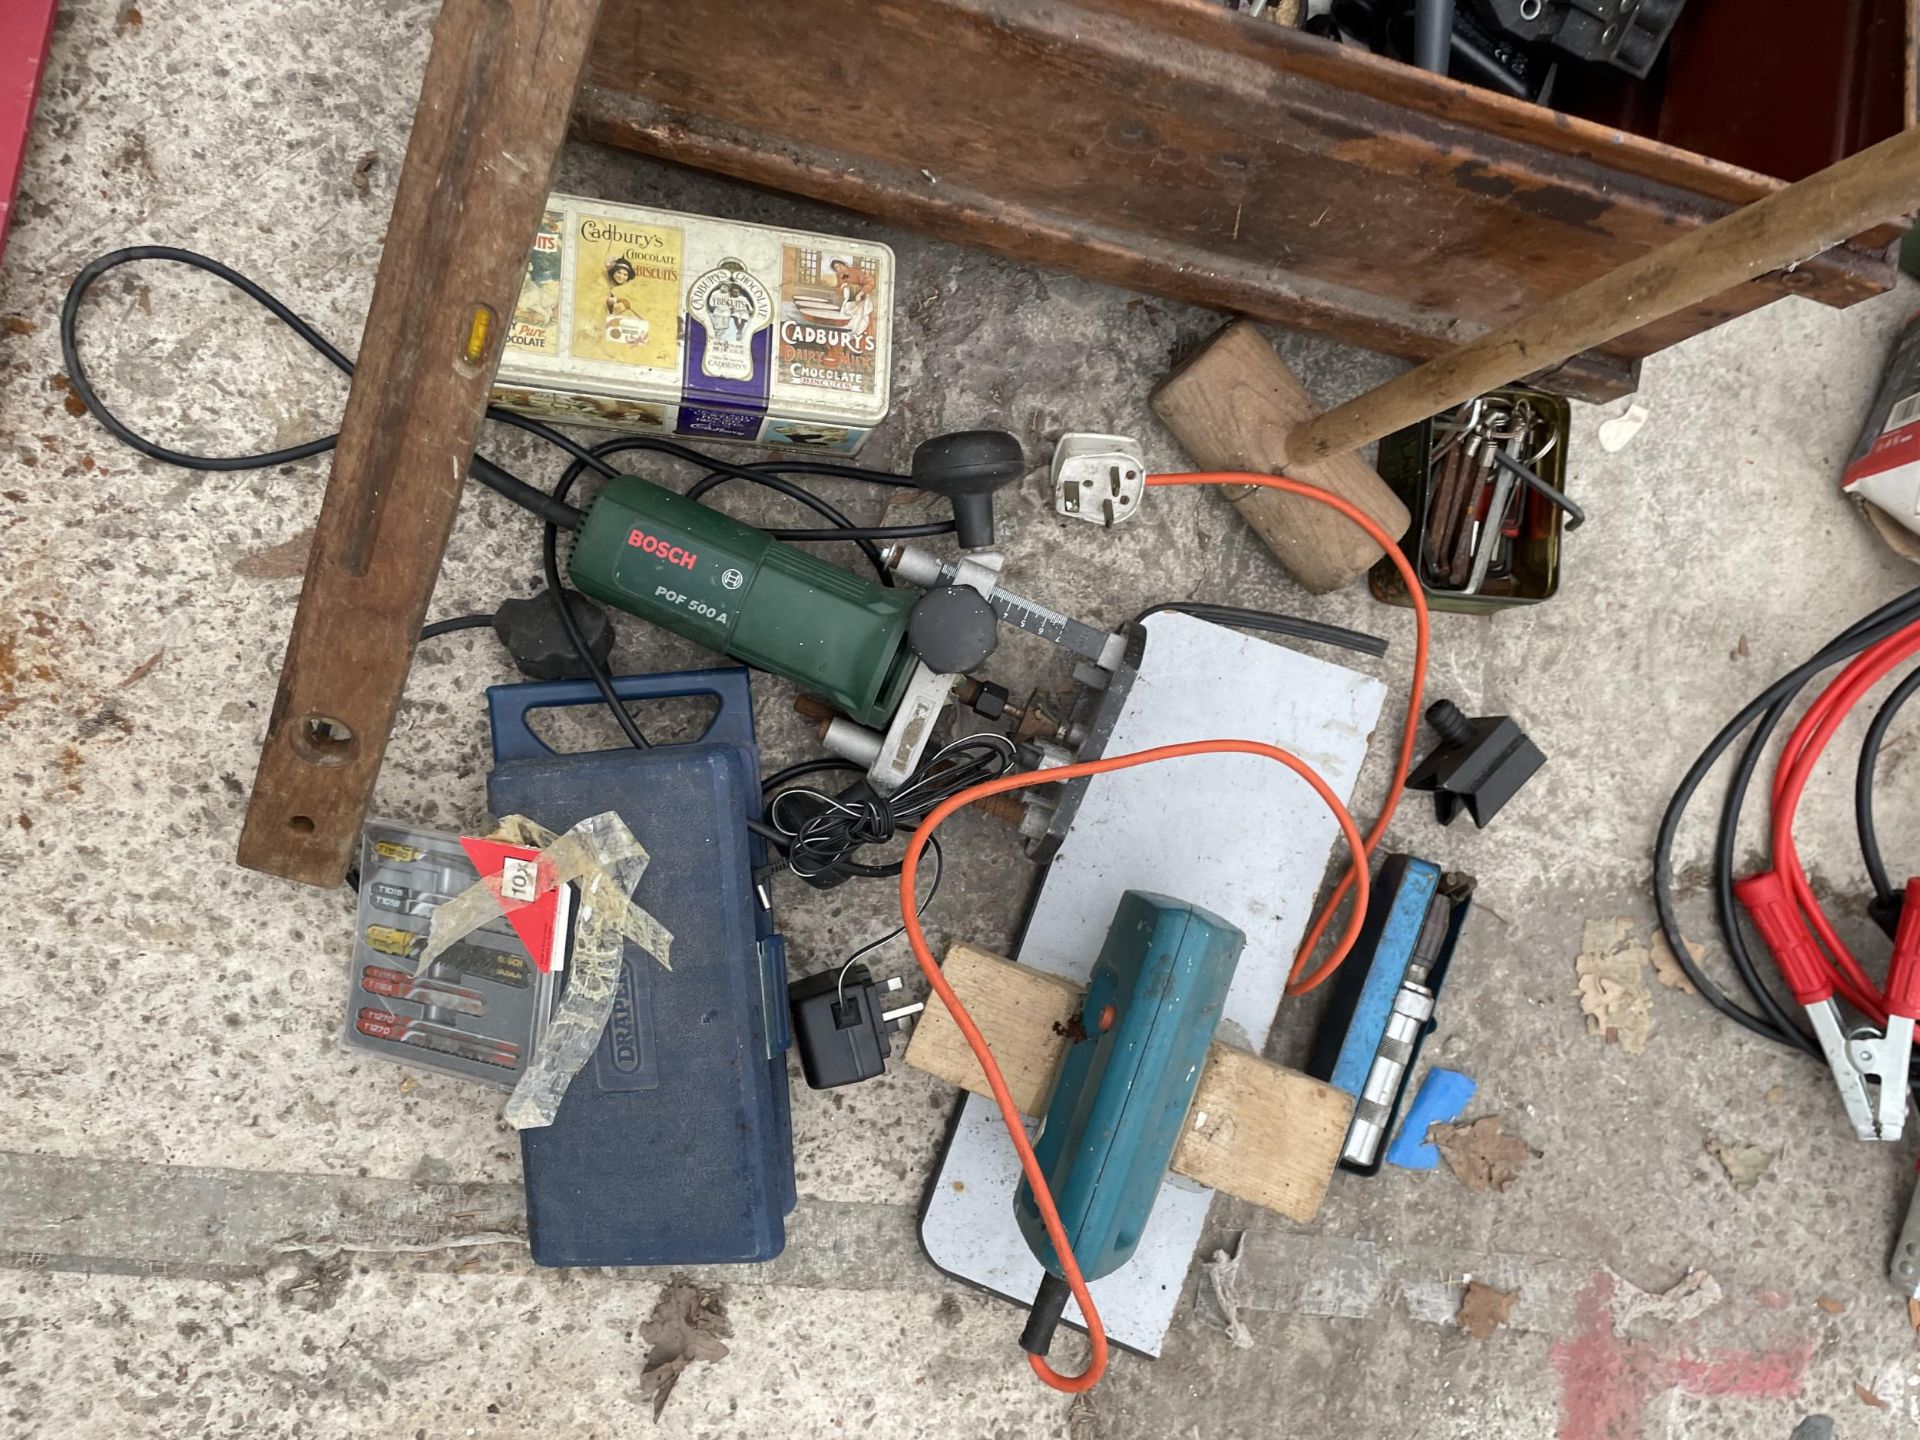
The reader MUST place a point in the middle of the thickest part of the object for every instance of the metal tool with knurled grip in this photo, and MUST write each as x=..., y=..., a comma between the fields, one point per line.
x=1382, y=1002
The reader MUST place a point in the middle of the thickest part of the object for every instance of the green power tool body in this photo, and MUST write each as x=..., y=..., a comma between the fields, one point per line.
x=884, y=657
x=736, y=589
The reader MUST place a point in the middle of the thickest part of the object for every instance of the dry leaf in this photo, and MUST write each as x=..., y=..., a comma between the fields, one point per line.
x=685, y=1326
x=1479, y=1155
x=1666, y=966
x=1483, y=1310
x=1691, y=1298
x=1612, y=984
x=1744, y=1164
x=1613, y=993
x=1868, y=1396
x=1831, y=1305
x=1603, y=937
x=407, y=1082
x=1775, y=1094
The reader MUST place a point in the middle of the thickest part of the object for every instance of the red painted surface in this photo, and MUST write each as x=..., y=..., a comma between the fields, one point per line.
x=532, y=920
x=25, y=28
x=1607, y=1379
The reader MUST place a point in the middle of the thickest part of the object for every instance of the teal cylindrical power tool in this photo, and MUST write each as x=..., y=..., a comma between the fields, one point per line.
x=736, y=589
x=1123, y=1092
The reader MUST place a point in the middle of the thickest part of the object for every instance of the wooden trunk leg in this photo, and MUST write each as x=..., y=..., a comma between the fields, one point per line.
x=493, y=111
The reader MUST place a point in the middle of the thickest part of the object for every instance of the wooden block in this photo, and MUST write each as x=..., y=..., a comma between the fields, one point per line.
x=1263, y=1133
x=1257, y=1131
x=493, y=111
x=1017, y=1008
x=1231, y=407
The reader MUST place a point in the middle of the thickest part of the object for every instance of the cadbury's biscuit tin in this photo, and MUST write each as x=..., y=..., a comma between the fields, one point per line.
x=648, y=320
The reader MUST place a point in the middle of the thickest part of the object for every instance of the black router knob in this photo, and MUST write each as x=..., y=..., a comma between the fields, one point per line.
x=967, y=467
x=953, y=629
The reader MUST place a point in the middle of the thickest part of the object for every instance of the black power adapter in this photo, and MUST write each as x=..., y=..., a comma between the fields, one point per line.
x=842, y=1033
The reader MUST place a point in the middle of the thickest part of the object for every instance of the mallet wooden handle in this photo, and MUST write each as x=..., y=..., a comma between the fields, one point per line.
x=1231, y=407
x=1793, y=224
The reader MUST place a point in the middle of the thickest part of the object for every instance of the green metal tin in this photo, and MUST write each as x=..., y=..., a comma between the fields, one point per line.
x=1404, y=464
x=721, y=582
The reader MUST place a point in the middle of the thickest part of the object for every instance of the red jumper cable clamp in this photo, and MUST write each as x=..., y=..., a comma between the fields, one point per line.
x=1870, y=1067
x=1903, y=981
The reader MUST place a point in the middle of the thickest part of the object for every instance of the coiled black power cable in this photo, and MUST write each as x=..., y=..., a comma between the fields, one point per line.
x=1772, y=1019
x=552, y=509
x=1886, y=899
x=484, y=470
x=821, y=833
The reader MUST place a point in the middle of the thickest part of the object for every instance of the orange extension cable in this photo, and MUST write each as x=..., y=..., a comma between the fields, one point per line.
x=1355, y=880
x=1416, y=691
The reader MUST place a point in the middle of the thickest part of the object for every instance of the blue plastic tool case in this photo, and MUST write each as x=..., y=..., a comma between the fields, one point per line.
x=674, y=1144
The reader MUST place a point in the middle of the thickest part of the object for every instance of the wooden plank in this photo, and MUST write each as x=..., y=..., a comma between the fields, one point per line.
x=1257, y=1131
x=1263, y=1133
x=1023, y=1013
x=1805, y=218
x=1214, y=159
x=493, y=112
x=1231, y=406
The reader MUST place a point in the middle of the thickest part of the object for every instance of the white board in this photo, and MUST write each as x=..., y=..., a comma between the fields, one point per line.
x=1236, y=834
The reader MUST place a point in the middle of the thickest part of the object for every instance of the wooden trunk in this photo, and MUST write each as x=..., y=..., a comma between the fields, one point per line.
x=1180, y=148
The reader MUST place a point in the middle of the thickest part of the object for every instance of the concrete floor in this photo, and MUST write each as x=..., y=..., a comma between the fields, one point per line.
x=214, y=1221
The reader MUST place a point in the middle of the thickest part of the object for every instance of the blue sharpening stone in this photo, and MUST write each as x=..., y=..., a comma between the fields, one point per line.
x=1443, y=1095
x=674, y=1143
